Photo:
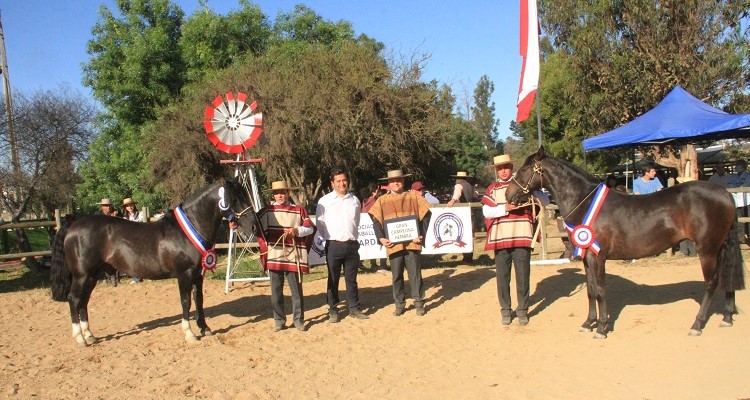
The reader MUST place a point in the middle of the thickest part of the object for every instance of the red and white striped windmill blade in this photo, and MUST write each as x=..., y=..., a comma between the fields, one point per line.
x=231, y=125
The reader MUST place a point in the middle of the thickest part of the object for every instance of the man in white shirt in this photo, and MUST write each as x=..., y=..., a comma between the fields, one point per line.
x=337, y=219
x=720, y=176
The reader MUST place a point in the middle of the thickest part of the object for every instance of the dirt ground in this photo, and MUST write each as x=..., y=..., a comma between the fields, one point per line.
x=459, y=350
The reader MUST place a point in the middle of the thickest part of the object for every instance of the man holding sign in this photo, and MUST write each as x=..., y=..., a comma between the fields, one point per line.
x=400, y=219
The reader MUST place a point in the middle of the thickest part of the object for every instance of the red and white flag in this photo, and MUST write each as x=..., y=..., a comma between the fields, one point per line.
x=530, y=54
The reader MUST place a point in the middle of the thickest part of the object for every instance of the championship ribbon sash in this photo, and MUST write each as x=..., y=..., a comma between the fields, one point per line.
x=208, y=253
x=583, y=236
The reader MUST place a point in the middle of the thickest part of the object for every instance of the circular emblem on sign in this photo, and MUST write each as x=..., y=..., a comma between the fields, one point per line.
x=208, y=262
x=448, y=229
x=582, y=236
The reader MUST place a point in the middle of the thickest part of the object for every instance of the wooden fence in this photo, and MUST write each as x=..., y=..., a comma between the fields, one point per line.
x=35, y=224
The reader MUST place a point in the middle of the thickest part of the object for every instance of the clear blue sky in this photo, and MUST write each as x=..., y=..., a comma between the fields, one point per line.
x=45, y=40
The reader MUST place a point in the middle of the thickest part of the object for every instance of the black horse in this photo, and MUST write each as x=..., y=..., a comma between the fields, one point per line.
x=629, y=227
x=97, y=244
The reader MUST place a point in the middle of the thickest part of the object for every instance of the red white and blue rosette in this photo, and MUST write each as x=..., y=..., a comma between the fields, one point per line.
x=208, y=253
x=583, y=236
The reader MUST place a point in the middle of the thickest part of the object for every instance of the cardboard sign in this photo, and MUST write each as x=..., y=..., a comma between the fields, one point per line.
x=401, y=230
x=450, y=231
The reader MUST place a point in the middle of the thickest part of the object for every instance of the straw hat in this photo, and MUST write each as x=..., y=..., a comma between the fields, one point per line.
x=395, y=173
x=501, y=160
x=105, y=202
x=128, y=201
x=279, y=185
x=462, y=174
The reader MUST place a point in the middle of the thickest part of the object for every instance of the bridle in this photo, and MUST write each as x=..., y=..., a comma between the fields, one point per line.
x=537, y=170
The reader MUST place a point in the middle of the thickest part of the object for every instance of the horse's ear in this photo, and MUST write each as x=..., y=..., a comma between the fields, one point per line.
x=540, y=154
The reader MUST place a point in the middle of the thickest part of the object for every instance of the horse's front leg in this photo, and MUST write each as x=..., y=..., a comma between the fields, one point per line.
x=198, y=297
x=185, y=283
x=588, y=325
x=602, y=324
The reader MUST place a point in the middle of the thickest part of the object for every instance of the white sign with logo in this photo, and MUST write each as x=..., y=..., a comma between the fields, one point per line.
x=369, y=248
x=450, y=231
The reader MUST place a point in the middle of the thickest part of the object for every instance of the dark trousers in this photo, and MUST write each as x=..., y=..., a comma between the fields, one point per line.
x=277, y=296
x=346, y=254
x=521, y=258
x=410, y=259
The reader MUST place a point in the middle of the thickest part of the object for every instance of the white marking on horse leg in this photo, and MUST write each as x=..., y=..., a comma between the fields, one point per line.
x=189, y=335
x=87, y=335
x=77, y=335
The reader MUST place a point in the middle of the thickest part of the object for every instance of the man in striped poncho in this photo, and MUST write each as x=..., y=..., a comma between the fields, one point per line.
x=283, y=243
x=509, y=235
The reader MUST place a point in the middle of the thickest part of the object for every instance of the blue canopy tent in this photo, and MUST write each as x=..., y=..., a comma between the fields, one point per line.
x=678, y=118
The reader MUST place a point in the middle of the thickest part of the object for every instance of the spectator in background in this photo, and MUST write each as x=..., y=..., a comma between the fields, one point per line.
x=107, y=208
x=611, y=183
x=418, y=187
x=132, y=213
x=647, y=183
x=720, y=176
x=741, y=178
x=463, y=192
x=370, y=194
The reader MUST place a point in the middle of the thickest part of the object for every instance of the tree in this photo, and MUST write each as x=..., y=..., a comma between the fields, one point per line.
x=53, y=131
x=210, y=42
x=616, y=60
x=326, y=107
x=136, y=66
x=483, y=113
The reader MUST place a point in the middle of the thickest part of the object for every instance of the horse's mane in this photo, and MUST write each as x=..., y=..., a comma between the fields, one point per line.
x=577, y=171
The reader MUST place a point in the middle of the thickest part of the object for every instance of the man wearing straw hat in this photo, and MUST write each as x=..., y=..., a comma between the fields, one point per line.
x=463, y=192
x=337, y=220
x=394, y=210
x=509, y=235
x=107, y=208
x=284, y=252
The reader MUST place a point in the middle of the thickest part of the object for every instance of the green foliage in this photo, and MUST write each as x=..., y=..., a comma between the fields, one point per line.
x=605, y=63
x=211, y=42
x=136, y=65
x=483, y=113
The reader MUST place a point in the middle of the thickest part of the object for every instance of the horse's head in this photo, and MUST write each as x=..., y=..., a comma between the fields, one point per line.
x=236, y=206
x=527, y=179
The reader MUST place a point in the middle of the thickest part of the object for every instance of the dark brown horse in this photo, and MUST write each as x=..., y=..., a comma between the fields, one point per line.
x=157, y=250
x=629, y=227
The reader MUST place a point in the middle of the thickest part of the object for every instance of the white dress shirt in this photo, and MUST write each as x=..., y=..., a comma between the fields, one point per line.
x=337, y=217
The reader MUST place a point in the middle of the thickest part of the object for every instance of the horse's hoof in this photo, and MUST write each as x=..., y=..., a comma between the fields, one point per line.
x=695, y=332
x=598, y=335
x=191, y=339
x=91, y=340
x=585, y=329
x=82, y=344
x=207, y=332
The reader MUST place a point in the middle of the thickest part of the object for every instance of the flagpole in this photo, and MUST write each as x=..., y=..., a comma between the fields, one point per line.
x=539, y=117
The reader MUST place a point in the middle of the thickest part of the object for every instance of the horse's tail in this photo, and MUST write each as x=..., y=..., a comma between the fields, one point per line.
x=61, y=279
x=730, y=261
